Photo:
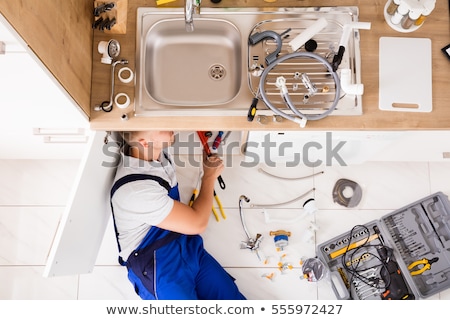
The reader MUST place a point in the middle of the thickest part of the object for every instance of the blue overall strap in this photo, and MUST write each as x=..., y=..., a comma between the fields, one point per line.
x=136, y=177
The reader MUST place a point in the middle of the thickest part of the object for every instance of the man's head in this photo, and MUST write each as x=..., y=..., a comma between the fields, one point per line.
x=148, y=144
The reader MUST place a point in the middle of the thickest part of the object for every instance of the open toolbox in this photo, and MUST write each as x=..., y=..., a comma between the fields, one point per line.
x=404, y=255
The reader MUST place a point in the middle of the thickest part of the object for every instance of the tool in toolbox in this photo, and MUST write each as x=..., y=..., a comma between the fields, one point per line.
x=352, y=246
x=204, y=141
x=407, y=257
x=426, y=265
x=395, y=285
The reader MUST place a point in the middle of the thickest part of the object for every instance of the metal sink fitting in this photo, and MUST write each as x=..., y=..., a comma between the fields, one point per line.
x=213, y=70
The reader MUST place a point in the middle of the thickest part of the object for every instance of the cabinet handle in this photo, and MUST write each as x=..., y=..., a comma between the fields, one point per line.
x=59, y=131
x=65, y=139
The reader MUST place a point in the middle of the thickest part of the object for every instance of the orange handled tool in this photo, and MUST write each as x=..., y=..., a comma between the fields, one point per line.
x=204, y=141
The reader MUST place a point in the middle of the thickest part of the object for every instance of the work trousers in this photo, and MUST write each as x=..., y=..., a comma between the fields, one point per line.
x=181, y=270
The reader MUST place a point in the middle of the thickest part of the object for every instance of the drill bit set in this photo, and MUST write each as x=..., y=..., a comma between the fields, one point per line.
x=404, y=255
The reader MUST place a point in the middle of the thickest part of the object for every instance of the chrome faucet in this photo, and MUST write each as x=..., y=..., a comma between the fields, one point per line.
x=251, y=243
x=190, y=7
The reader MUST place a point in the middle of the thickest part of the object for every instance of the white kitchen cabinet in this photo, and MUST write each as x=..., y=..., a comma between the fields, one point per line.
x=39, y=120
x=313, y=148
x=417, y=146
x=87, y=213
x=316, y=148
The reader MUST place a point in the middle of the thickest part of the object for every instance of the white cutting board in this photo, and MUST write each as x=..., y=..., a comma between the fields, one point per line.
x=405, y=82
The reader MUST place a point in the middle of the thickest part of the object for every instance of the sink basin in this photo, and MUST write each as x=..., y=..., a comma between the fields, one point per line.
x=199, y=68
x=210, y=71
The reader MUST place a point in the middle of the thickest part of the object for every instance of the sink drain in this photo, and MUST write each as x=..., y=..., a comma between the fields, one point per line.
x=217, y=72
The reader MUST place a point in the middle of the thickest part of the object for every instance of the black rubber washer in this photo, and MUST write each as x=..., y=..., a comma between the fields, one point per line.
x=340, y=198
x=311, y=45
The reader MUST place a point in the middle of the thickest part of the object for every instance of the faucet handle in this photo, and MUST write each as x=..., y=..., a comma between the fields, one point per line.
x=197, y=4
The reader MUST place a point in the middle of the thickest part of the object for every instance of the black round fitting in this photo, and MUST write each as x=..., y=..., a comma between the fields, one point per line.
x=311, y=45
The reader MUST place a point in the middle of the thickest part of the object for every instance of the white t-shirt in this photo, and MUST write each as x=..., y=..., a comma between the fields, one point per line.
x=138, y=205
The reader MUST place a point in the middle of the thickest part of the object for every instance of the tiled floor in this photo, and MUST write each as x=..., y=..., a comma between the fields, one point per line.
x=34, y=194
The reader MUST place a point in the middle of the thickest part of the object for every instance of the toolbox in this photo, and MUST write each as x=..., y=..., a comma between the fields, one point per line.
x=404, y=255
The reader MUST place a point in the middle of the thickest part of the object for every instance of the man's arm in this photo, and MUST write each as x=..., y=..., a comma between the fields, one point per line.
x=194, y=220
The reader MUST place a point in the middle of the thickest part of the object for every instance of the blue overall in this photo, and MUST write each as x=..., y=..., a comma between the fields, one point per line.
x=173, y=266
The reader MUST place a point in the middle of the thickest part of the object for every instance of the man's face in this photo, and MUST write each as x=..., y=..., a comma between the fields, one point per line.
x=163, y=138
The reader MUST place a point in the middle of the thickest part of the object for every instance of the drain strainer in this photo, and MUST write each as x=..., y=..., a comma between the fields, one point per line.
x=217, y=72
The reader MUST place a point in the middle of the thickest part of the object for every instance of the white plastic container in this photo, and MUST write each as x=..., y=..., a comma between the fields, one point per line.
x=415, y=11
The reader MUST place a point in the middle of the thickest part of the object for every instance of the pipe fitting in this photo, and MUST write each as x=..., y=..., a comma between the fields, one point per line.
x=347, y=86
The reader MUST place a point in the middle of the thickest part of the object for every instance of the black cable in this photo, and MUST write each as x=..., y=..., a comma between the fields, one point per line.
x=354, y=269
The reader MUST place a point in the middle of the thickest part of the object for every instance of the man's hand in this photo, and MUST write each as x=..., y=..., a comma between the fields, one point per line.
x=212, y=166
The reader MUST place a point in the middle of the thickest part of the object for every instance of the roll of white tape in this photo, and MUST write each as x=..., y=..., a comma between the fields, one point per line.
x=129, y=78
x=119, y=104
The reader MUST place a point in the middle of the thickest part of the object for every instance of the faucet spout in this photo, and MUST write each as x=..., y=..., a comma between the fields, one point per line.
x=190, y=7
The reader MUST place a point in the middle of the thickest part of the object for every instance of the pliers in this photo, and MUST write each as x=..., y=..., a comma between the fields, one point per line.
x=216, y=197
x=426, y=265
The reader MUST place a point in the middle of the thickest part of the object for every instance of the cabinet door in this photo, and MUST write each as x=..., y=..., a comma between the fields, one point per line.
x=418, y=145
x=39, y=118
x=83, y=224
x=313, y=148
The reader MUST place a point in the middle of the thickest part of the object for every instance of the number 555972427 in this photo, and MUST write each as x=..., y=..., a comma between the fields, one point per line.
x=306, y=309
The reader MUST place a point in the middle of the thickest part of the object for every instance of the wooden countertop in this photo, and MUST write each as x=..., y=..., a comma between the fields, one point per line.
x=59, y=33
x=436, y=27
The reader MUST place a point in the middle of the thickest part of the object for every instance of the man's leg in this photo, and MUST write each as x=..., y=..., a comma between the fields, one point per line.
x=213, y=282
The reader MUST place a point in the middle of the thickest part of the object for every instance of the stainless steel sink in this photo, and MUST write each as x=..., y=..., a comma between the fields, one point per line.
x=211, y=71
x=199, y=68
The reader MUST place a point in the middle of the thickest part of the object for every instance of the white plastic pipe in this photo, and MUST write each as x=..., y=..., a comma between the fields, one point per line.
x=347, y=86
x=307, y=34
x=348, y=27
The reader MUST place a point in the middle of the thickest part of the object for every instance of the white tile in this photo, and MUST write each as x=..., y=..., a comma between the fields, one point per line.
x=223, y=239
x=325, y=290
x=36, y=182
x=440, y=177
x=26, y=234
x=385, y=185
x=106, y=283
x=255, y=285
x=27, y=283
